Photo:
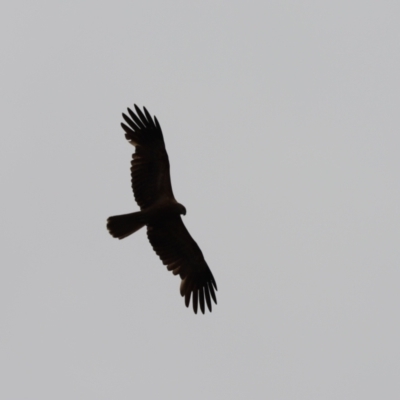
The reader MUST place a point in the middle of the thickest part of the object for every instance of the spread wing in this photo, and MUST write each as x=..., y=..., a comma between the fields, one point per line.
x=150, y=164
x=181, y=254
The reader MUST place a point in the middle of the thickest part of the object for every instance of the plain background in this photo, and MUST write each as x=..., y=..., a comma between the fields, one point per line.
x=281, y=120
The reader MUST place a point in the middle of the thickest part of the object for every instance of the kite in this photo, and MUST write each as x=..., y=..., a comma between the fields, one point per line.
x=161, y=213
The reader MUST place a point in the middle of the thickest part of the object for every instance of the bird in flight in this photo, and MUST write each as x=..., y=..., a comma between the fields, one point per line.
x=161, y=213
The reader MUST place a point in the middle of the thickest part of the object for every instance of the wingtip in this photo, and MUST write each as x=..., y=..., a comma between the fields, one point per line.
x=201, y=298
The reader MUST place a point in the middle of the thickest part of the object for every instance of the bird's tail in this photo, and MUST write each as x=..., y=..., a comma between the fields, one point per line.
x=121, y=226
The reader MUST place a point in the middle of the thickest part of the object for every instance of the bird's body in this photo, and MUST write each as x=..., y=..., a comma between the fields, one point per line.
x=161, y=213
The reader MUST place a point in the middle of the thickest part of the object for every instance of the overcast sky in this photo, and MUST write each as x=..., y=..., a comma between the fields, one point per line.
x=281, y=120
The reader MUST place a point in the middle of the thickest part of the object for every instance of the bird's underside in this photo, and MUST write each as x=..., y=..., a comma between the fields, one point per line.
x=161, y=213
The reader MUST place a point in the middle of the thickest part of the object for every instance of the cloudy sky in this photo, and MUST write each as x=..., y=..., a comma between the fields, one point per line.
x=281, y=120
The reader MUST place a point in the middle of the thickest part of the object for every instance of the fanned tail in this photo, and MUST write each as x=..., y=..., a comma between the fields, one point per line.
x=121, y=226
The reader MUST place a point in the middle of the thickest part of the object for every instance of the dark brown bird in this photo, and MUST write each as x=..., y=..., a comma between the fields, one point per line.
x=160, y=212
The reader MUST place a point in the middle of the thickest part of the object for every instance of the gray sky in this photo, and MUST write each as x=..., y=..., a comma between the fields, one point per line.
x=281, y=121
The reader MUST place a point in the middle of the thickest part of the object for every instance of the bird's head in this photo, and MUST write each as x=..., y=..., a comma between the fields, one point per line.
x=182, y=209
